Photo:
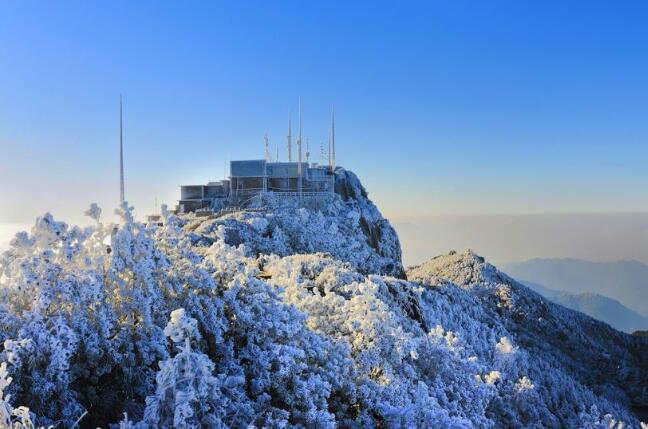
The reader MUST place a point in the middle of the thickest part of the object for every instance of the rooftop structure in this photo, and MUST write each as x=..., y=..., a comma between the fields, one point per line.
x=258, y=177
x=265, y=177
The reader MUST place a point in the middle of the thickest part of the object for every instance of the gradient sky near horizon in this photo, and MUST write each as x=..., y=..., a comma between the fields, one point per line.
x=442, y=107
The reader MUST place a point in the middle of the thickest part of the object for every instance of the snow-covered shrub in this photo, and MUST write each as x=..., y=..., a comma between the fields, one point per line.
x=285, y=318
x=592, y=419
x=504, y=346
x=10, y=417
x=187, y=394
x=552, y=361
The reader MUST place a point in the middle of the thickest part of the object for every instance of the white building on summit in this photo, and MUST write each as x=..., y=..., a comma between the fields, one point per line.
x=263, y=177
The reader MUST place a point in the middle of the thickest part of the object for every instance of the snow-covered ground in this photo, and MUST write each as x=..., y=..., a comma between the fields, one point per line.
x=292, y=317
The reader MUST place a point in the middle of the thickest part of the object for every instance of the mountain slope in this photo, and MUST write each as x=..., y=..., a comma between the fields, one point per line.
x=610, y=363
x=287, y=316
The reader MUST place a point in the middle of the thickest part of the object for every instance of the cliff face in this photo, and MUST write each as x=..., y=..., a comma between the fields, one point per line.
x=381, y=236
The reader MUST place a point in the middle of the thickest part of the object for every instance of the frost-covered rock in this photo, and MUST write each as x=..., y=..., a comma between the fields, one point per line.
x=348, y=226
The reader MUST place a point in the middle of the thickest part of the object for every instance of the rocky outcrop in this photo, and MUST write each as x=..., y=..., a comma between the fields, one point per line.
x=381, y=236
x=347, y=226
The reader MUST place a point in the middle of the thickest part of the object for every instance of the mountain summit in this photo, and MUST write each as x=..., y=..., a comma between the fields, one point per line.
x=292, y=314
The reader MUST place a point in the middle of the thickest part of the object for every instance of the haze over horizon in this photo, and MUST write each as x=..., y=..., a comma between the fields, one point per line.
x=515, y=129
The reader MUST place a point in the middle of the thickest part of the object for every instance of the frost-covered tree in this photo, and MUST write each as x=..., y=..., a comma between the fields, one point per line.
x=187, y=394
x=288, y=317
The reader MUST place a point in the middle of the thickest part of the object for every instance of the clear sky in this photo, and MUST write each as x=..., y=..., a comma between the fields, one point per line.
x=442, y=107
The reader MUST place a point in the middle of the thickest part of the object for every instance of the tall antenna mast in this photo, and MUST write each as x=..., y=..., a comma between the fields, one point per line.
x=333, y=138
x=121, y=153
x=307, y=150
x=299, y=153
x=267, y=152
x=330, y=151
x=289, y=140
x=277, y=148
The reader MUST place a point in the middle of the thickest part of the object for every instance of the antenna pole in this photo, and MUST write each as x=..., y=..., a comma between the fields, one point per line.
x=289, y=140
x=299, y=153
x=267, y=152
x=121, y=153
x=333, y=138
x=330, y=160
x=307, y=150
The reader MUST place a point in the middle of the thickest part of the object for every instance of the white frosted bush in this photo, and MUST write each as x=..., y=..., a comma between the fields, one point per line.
x=187, y=394
x=505, y=347
x=10, y=417
x=282, y=318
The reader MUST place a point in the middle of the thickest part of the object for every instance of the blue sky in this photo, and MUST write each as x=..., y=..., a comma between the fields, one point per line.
x=442, y=107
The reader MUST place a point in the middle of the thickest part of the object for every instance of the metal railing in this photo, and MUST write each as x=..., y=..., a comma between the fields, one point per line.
x=277, y=191
x=303, y=194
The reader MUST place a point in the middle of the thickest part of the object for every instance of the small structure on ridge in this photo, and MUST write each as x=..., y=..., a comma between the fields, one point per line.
x=263, y=177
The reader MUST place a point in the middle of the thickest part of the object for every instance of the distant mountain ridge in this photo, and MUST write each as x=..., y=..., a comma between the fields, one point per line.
x=624, y=281
x=600, y=307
